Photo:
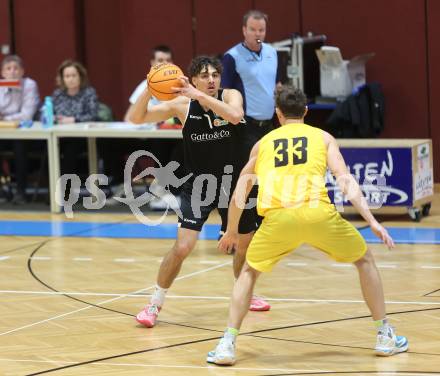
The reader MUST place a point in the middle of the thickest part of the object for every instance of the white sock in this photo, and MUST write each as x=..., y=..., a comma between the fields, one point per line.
x=158, y=296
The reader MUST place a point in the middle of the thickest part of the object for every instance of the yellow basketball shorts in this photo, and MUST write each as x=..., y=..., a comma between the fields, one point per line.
x=283, y=230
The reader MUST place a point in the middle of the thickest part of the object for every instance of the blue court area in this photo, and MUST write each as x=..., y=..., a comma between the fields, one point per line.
x=406, y=235
x=169, y=231
x=99, y=230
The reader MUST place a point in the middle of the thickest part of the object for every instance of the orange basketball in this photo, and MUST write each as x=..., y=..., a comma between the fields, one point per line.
x=162, y=78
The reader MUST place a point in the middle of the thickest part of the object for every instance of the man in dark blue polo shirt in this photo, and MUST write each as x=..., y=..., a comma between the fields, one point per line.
x=251, y=68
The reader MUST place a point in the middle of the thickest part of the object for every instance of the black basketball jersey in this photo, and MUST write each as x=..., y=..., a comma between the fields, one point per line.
x=209, y=142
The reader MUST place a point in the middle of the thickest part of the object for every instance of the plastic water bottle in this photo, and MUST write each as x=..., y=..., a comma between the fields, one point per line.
x=48, y=117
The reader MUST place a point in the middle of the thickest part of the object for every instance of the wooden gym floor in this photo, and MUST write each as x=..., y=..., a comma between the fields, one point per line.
x=68, y=306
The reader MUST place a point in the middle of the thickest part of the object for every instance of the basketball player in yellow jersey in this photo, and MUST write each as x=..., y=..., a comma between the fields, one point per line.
x=290, y=163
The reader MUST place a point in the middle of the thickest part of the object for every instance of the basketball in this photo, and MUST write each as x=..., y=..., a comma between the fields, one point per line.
x=162, y=78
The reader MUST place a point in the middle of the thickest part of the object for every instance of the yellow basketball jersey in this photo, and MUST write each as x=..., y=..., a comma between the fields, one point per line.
x=291, y=167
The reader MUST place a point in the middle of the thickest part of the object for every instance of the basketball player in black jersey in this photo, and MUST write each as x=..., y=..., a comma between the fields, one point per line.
x=209, y=116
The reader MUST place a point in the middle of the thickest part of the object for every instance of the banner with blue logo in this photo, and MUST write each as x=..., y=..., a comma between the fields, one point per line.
x=384, y=175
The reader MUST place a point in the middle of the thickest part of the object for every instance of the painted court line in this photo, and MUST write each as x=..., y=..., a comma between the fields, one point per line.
x=41, y=258
x=214, y=262
x=346, y=301
x=207, y=367
x=109, y=300
x=342, y=265
x=124, y=260
x=386, y=266
x=82, y=259
x=197, y=297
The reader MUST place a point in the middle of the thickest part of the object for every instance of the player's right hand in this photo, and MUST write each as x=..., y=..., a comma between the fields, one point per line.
x=186, y=89
x=382, y=234
x=228, y=242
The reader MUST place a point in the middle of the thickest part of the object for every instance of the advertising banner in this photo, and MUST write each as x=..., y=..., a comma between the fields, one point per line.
x=384, y=175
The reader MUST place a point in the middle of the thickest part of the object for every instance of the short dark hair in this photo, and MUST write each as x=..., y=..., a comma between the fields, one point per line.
x=82, y=71
x=161, y=48
x=257, y=14
x=292, y=102
x=200, y=63
x=13, y=58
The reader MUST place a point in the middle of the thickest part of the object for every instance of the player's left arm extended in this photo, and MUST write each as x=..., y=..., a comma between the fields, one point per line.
x=350, y=188
x=238, y=201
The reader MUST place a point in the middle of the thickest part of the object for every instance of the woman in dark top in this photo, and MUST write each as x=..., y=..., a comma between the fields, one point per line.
x=74, y=101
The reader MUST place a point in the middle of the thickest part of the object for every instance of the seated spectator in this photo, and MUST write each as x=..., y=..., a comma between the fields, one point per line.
x=164, y=150
x=74, y=101
x=19, y=104
x=159, y=54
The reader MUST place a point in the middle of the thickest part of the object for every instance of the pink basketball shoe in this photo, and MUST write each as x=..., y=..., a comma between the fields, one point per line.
x=259, y=304
x=148, y=315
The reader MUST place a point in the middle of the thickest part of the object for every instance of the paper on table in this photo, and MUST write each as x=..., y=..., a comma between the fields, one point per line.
x=122, y=125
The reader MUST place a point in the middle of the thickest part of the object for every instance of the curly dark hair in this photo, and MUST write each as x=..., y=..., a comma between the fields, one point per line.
x=201, y=63
x=291, y=101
